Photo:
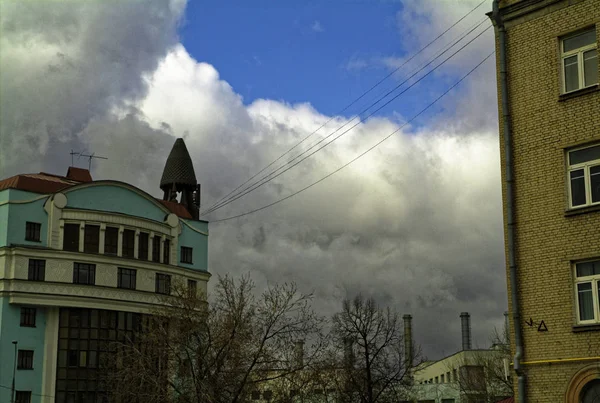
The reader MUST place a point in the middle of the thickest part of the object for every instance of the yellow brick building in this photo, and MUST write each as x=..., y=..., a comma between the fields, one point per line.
x=549, y=109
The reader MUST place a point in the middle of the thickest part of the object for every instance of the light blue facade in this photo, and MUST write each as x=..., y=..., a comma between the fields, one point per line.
x=15, y=214
x=195, y=240
x=114, y=198
x=29, y=338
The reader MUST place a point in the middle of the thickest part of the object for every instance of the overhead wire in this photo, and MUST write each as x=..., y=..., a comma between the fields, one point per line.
x=269, y=177
x=360, y=155
x=349, y=105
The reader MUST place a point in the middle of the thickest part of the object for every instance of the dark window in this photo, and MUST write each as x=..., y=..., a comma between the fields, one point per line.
x=37, y=270
x=143, y=246
x=91, y=239
x=255, y=395
x=156, y=249
x=32, y=231
x=267, y=395
x=126, y=278
x=84, y=273
x=128, y=243
x=28, y=317
x=166, y=251
x=163, y=283
x=25, y=359
x=193, y=288
x=71, y=237
x=23, y=396
x=111, y=240
x=186, y=254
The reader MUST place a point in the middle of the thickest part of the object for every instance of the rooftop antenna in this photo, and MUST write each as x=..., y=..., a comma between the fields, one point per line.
x=89, y=156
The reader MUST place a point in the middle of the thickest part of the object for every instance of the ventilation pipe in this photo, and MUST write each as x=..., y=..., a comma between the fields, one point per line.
x=408, y=341
x=509, y=200
x=465, y=324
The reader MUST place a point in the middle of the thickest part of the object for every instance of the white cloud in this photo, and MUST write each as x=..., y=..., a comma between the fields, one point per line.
x=317, y=27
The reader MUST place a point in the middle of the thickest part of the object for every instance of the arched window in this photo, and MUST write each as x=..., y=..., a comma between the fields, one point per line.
x=591, y=392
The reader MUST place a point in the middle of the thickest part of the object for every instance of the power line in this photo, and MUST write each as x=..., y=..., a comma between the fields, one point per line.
x=349, y=105
x=270, y=176
x=35, y=394
x=360, y=155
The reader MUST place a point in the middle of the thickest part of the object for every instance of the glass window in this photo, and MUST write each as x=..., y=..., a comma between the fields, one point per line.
x=71, y=237
x=166, y=251
x=22, y=396
x=584, y=176
x=111, y=240
x=163, y=283
x=25, y=359
x=587, y=287
x=591, y=392
x=37, y=270
x=28, y=317
x=128, y=243
x=91, y=238
x=127, y=278
x=192, y=288
x=84, y=273
x=33, y=231
x=580, y=60
x=143, y=246
x=156, y=248
x=186, y=254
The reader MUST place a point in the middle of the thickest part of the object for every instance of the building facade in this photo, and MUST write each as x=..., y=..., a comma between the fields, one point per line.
x=549, y=108
x=80, y=262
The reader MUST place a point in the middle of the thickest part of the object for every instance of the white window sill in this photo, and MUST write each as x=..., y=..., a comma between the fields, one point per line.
x=591, y=327
x=576, y=93
x=582, y=210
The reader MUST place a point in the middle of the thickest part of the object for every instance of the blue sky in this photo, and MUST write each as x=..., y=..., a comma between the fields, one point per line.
x=295, y=51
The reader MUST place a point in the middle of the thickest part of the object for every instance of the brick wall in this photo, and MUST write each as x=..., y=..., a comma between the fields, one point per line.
x=547, y=239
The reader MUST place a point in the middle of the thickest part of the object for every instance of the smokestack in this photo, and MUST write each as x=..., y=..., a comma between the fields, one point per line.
x=408, y=340
x=348, y=352
x=465, y=321
x=299, y=353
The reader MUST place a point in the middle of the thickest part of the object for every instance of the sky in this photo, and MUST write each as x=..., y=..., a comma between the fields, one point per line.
x=416, y=222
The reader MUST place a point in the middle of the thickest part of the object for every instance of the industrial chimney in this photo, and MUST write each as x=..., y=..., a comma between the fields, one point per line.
x=465, y=321
x=299, y=353
x=408, y=340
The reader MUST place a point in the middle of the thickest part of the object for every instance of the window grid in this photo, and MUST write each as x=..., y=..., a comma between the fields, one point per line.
x=33, y=231
x=127, y=278
x=28, y=317
x=163, y=283
x=37, y=270
x=587, y=293
x=579, y=65
x=84, y=273
x=186, y=254
x=583, y=176
x=25, y=359
x=23, y=396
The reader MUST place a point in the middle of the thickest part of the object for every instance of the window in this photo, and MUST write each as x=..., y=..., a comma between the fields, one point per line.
x=448, y=379
x=27, y=317
x=25, y=359
x=267, y=395
x=472, y=377
x=591, y=392
x=193, y=288
x=84, y=273
x=587, y=283
x=166, y=251
x=579, y=55
x=126, y=278
x=584, y=176
x=111, y=240
x=32, y=231
x=437, y=380
x=91, y=239
x=23, y=396
x=255, y=395
x=37, y=270
x=163, y=283
x=143, y=246
x=442, y=378
x=156, y=249
x=454, y=375
x=128, y=243
x=186, y=254
x=71, y=237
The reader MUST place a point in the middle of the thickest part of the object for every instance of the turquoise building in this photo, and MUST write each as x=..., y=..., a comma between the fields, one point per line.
x=80, y=262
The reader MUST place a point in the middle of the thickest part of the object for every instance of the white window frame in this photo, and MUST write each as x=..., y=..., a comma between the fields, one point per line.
x=594, y=279
x=587, y=177
x=579, y=52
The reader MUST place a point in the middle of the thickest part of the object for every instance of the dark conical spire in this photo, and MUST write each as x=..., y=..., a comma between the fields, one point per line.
x=178, y=176
x=179, y=169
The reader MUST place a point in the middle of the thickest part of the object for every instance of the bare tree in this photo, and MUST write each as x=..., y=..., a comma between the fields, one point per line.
x=369, y=340
x=191, y=352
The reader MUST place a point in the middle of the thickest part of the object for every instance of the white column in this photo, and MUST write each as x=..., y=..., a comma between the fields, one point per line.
x=81, y=235
x=150, y=246
x=102, y=238
x=50, y=355
x=120, y=241
x=136, y=243
x=162, y=248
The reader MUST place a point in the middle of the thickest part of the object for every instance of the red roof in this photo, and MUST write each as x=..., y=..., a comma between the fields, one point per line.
x=45, y=183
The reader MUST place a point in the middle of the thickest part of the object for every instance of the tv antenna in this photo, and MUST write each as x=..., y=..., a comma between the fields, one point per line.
x=88, y=156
